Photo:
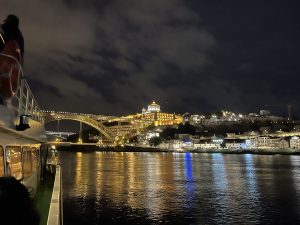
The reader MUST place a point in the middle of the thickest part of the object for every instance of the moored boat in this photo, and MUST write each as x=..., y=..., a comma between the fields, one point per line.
x=23, y=143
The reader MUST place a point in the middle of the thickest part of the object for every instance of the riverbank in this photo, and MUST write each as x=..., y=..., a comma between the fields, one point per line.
x=88, y=148
x=250, y=151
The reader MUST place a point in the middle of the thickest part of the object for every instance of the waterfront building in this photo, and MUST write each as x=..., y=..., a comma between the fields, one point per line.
x=264, y=142
x=172, y=144
x=295, y=142
x=283, y=143
x=213, y=142
x=217, y=140
x=207, y=144
x=235, y=144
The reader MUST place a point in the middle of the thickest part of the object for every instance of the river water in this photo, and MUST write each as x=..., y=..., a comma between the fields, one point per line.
x=180, y=188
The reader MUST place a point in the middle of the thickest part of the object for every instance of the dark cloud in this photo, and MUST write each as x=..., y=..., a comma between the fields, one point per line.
x=113, y=57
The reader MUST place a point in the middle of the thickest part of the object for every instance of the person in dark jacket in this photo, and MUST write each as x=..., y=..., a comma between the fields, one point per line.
x=10, y=32
x=16, y=206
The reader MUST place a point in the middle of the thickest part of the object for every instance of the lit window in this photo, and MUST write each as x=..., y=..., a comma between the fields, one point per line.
x=26, y=154
x=14, y=161
x=1, y=161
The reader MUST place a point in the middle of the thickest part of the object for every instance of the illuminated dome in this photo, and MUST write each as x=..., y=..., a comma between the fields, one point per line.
x=153, y=107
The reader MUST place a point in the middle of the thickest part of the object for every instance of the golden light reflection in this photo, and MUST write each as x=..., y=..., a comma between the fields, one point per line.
x=78, y=170
x=99, y=175
x=135, y=184
x=116, y=163
x=86, y=173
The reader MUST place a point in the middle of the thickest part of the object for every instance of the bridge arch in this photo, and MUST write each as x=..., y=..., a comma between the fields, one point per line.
x=50, y=117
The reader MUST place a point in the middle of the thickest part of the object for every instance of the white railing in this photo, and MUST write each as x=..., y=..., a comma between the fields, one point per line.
x=55, y=216
x=24, y=102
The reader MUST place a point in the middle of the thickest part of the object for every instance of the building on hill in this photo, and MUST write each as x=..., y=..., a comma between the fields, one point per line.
x=153, y=107
x=154, y=114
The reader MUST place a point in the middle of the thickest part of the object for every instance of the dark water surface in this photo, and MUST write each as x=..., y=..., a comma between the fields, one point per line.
x=180, y=188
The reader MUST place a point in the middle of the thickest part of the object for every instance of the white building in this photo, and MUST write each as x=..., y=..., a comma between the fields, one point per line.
x=153, y=107
x=264, y=142
x=150, y=135
x=207, y=144
x=216, y=140
x=213, y=120
x=235, y=144
x=196, y=119
x=283, y=144
x=295, y=142
x=264, y=112
x=175, y=144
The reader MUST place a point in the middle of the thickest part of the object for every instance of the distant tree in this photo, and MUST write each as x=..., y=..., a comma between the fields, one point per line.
x=223, y=145
x=155, y=141
x=133, y=139
x=219, y=113
x=186, y=128
x=151, y=127
x=168, y=133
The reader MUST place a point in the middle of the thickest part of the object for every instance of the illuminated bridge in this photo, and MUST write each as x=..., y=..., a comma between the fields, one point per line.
x=95, y=121
x=116, y=129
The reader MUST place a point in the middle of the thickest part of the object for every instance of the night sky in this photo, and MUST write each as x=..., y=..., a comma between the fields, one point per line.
x=115, y=56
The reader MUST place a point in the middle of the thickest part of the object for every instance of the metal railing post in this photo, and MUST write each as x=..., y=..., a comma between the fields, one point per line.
x=21, y=96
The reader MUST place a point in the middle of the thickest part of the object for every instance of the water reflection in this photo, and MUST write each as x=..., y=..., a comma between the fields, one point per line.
x=219, y=173
x=254, y=202
x=185, y=188
x=250, y=174
x=295, y=160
